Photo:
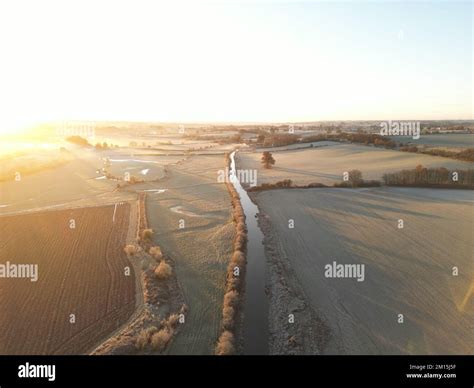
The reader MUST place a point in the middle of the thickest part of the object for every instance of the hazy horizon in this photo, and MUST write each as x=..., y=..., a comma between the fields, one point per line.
x=242, y=62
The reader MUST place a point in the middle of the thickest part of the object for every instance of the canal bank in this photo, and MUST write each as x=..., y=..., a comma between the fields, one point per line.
x=255, y=305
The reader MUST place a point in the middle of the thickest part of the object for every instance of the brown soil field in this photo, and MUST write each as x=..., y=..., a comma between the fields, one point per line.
x=80, y=271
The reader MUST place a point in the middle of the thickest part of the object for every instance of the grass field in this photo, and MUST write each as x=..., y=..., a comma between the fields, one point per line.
x=71, y=184
x=327, y=164
x=81, y=272
x=201, y=249
x=441, y=140
x=407, y=271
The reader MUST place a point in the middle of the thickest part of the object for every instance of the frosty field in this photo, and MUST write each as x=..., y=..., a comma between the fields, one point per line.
x=327, y=164
x=408, y=271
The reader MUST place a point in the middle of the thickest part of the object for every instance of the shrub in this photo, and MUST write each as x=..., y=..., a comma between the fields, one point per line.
x=156, y=253
x=241, y=228
x=231, y=298
x=172, y=321
x=163, y=270
x=147, y=234
x=130, y=250
x=225, y=345
x=233, y=283
x=238, y=259
x=144, y=337
x=160, y=339
x=133, y=180
x=78, y=140
x=228, y=313
x=141, y=341
x=355, y=177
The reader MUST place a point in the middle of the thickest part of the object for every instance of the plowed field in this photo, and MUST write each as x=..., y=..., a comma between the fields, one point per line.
x=81, y=271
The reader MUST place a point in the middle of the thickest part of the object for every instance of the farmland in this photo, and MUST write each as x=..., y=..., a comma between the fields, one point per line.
x=189, y=212
x=81, y=272
x=94, y=179
x=327, y=164
x=71, y=184
x=459, y=141
x=408, y=271
x=201, y=249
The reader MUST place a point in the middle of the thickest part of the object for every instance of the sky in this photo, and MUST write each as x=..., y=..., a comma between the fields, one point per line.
x=247, y=61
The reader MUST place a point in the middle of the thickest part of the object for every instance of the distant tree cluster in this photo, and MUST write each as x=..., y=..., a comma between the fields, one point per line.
x=284, y=184
x=359, y=137
x=467, y=154
x=78, y=140
x=277, y=140
x=422, y=176
x=355, y=179
x=102, y=146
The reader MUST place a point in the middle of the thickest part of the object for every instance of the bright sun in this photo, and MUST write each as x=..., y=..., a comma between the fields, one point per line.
x=14, y=127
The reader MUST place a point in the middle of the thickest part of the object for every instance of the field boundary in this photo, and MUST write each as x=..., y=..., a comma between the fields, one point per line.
x=162, y=307
x=230, y=339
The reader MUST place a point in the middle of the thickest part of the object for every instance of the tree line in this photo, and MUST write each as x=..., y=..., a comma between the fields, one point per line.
x=422, y=176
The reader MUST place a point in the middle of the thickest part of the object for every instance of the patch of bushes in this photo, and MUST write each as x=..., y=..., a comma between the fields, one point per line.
x=160, y=339
x=78, y=140
x=361, y=138
x=362, y=183
x=144, y=336
x=467, y=154
x=156, y=253
x=312, y=185
x=134, y=180
x=431, y=177
x=284, y=184
x=147, y=234
x=157, y=338
x=413, y=149
x=355, y=180
x=130, y=250
x=225, y=345
x=163, y=270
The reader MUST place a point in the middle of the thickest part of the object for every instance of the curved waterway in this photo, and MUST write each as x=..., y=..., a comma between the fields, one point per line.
x=255, y=309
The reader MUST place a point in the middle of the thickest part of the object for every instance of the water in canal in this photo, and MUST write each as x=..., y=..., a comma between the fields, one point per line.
x=255, y=309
